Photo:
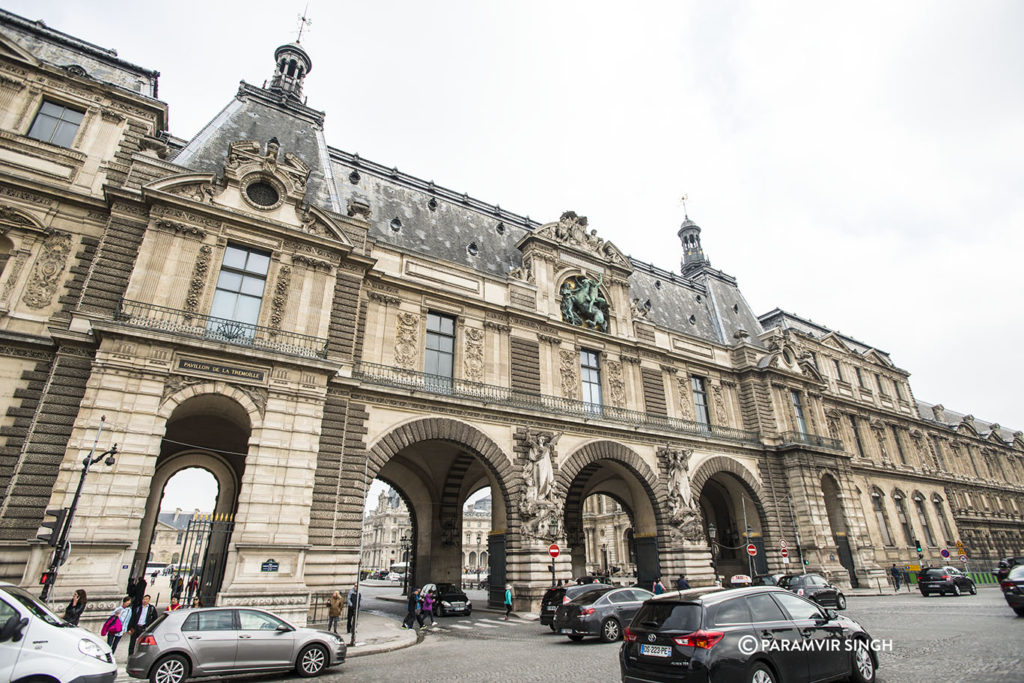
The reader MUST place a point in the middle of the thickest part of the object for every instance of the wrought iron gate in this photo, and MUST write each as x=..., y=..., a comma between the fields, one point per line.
x=204, y=555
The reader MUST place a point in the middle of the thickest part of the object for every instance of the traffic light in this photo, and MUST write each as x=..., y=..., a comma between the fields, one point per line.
x=54, y=526
x=46, y=578
x=917, y=543
x=807, y=562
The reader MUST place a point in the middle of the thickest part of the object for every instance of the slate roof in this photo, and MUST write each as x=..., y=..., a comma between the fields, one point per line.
x=953, y=419
x=780, y=318
x=181, y=523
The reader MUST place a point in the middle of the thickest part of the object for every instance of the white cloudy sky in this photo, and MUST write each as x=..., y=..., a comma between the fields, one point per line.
x=856, y=163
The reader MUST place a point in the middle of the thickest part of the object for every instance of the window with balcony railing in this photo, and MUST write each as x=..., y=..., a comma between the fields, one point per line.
x=590, y=379
x=439, y=360
x=239, y=293
x=700, y=400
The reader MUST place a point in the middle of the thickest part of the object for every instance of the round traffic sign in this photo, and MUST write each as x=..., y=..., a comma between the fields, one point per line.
x=751, y=550
x=963, y=558
x=783, y=544
x=944, y=552
x=785, y=552
x=553, y=550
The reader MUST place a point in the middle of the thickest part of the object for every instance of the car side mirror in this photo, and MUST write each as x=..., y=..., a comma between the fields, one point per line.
x=831, y=614
x=12, y=628
x=284, y=628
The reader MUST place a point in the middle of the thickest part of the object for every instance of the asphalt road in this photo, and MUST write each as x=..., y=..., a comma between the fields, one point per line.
x=970, y=638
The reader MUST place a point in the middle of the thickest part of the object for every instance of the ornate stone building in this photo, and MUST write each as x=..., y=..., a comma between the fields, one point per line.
x=385, y=532
x=608, y=537
x=299, y=320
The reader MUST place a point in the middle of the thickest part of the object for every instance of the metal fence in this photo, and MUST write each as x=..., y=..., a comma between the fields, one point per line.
x=385, y=375
x=194, y=325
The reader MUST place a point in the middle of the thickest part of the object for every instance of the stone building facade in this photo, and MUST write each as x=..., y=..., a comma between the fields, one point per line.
x=608, y=537
x=299, y=320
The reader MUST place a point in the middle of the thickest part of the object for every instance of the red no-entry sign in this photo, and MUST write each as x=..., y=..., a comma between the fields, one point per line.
x=752, y=550
x=785, y=552
x=553, y=550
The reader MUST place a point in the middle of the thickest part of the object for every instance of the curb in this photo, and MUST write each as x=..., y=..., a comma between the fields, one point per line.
x=384, y=647
x=490, y=610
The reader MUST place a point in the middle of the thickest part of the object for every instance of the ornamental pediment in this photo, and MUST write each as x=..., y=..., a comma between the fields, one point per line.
x=572, y=232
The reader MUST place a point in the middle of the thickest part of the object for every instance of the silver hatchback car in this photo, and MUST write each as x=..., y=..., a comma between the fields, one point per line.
x=219, y=640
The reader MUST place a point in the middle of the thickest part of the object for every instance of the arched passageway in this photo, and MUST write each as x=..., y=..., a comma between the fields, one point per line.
x=733, y=519
x=833, y=498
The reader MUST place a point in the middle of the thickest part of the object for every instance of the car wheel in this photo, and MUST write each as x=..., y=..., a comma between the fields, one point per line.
x=610, y=630
x=973, y=590
x=840, y=601
x=170, y=669
x=925, y=594
x=760, y=673
x=956, y=590
x=552, y=626
x=576, y=638
x=863, y=667
x=312, y=660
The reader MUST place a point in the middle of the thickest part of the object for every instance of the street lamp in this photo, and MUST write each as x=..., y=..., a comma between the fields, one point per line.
x=405, y=558
x=60, y=553
x=713, y=534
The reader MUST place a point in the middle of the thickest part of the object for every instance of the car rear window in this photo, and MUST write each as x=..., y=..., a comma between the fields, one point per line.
x=786, y=580
x=934, y=573
x=1017, y=573
x=670, y=616
x=577, y=591
x=591, y=596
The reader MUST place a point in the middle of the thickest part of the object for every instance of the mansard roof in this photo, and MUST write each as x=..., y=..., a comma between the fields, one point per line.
x=954, y=420
x=786, y=320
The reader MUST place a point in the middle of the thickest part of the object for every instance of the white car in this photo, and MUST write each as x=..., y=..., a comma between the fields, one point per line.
x=37, y=645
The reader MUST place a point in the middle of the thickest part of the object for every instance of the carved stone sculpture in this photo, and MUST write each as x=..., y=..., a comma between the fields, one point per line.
x=640, y=310
x=474, y=356
x=682, y=516
x=582, y=303
x=539, y=509
x=616, y=385
x=46, y=273
x=406, y=347
x=569, y=363
x=198, y=281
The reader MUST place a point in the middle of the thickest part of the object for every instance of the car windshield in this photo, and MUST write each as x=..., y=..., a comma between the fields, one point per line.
x=37, y=608
x=447, y=588
x=668, y=616
x=1017, y=573
x=591, y=596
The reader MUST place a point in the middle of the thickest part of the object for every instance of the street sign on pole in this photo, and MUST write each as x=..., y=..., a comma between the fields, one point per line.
x=751, y=550
x=553, y=550
x=785, y=552
x=944, y=552
x=961, y=552
x=783, y=544
x=785, y=560
x=963, y=558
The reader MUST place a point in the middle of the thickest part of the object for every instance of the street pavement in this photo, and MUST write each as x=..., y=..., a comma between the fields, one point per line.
x=970, y=638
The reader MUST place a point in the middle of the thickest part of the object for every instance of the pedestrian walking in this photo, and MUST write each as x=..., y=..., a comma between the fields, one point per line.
x=658, y=587
x=193, y=586
x=428, y=607
x=334, y=604
x=73, y=612
x=897, y=575
x=681, y=583
x=412, y=609
x=174, y=606
x=353, y=606
x=508, y=600
x=117, y=623
x=142, y=616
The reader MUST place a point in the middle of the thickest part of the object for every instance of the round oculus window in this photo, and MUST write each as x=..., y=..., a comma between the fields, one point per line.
x=262, y=193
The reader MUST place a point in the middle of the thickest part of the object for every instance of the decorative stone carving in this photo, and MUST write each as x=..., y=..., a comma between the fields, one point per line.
x=406, y=346
x=46, y=273
x=571, y=230
x=539, y=509
x=384, y=298
x=12, y=279
x=258, y=395
x=640, y=310
x=198, y=281
x=549, y=339
x=199, y=192
x=474, y=354
x=685, y=402
x=583, y=304
x=181, y=228
x=719, y=401
x=684, y=519
x=175, y=383
x=284, y=280
x=616, y=385
x=524, y=272
x=9, y=216
x=568, y=367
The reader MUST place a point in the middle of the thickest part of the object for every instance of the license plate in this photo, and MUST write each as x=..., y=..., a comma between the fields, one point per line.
x=551, y=608
x=566, y=630
x=656, y=650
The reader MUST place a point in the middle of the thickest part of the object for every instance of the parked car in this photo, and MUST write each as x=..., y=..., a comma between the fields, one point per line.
x=1005, y=565
x=767, y=579
x=218, y=640
x=1013, y=589
x=814, y=587
x=449, y=599
x=599, y=613
x=555, y=597
x=37, y=645
x=940, y=580
x=707, y=637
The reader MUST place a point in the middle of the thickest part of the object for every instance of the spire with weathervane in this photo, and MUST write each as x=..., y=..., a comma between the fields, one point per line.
x=291, y=65
x=689, y=235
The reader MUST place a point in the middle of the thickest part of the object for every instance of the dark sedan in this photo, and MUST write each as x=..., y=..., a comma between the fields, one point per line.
x=1013, y=589
x=944, y=581
x=601, y=613
x=814, y=587
x=448, y=599
x=1005, y=565
x=556, y=597
x=761, y=634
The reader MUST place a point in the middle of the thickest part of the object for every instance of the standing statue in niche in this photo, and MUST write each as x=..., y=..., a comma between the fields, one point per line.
x=685, y=521
x=540, y=512
x=582, y=303
x=540, y=473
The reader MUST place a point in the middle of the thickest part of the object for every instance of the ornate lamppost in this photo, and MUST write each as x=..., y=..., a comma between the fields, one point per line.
x=713, y=534
x=406, y=547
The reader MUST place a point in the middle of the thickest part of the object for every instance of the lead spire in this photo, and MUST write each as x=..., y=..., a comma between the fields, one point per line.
x=291, y=65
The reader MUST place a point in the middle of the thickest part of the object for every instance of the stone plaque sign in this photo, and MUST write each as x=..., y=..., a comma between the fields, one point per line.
x=269, y=566
x=192, y=365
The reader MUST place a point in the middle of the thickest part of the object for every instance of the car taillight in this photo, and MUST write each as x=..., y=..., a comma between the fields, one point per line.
x=586, y=610
x=629, y=636
x=147, y=640
x=945, y=577
x=704, y=640
x=1007, y=585
x=565, y=599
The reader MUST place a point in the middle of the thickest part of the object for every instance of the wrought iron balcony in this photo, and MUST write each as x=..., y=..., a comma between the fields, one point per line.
x=186, y=324
x=384, y=375
x=801, y=438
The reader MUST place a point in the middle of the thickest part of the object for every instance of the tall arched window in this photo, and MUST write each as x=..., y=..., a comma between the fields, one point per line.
x=901, y=514
x=922, y=517
x=880, y=517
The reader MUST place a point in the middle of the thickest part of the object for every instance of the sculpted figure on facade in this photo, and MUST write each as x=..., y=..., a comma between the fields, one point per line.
x=406, y=347
x=568, y=364
x=616, y=385
x=474, y=361
x=571, y=230
x=682, y=516
x=640, y=310
x=539, y=509
x=45, y=277
x=582, y=303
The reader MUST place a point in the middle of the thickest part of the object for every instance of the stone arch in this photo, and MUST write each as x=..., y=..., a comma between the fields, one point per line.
x=171, y=402
x=718, y=464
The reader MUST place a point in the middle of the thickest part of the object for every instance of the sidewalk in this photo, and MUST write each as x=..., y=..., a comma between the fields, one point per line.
x=376, y=634
x=888, y=590
x=527, y=616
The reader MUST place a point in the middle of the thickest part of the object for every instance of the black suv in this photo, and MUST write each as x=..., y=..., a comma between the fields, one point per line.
x=814, y=587
x=941, y=580
x=556, y=597
x=761, y=634
x=448, y=600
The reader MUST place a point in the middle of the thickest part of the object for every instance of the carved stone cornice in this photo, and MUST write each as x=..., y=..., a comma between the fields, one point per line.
x=181, y=229
x=497, y=326
x=311, y=263
x=385, y=299
x=549, y=339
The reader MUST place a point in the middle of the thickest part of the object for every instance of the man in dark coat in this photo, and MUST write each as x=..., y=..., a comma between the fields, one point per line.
x=353, y=606
x=413, y=606
x=681, y=583
x=142, y=616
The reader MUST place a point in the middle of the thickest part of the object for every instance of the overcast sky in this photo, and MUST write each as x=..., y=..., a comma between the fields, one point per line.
x=859, y=164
